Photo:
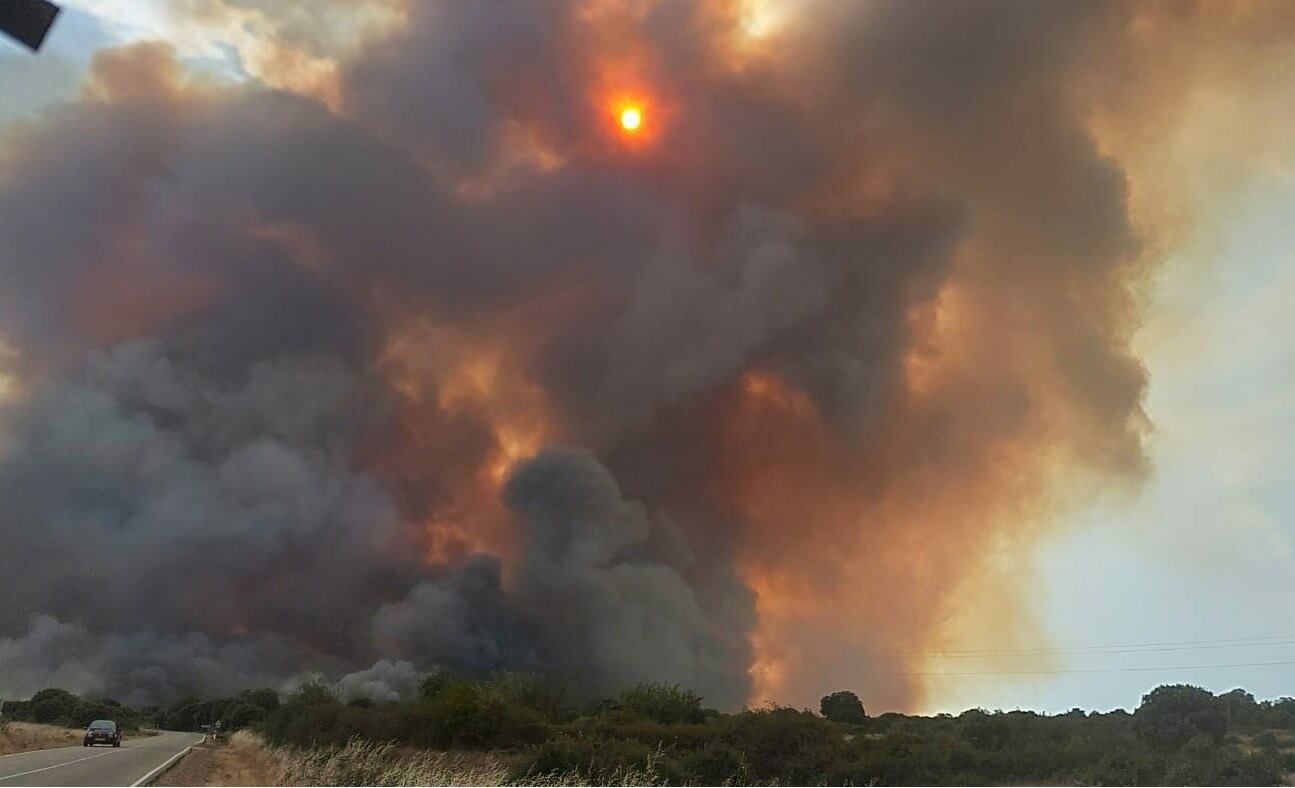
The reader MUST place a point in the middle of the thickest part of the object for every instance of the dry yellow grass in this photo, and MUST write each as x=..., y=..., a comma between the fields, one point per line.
x=246, y=760
x=365, y=763
x=24, y=736
x=242, y=760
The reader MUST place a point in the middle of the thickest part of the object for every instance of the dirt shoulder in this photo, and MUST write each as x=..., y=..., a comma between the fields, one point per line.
x=24, y=736
x=243, y=760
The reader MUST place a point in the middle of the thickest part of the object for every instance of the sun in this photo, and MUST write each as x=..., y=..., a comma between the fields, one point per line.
x=631, y=118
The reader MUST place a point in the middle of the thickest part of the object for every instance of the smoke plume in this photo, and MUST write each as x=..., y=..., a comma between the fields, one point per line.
x=402, y=356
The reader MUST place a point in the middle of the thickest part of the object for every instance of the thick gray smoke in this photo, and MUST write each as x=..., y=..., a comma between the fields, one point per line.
x=162, y=516
x=289, y=367
x=139, y=667
x=626, y=609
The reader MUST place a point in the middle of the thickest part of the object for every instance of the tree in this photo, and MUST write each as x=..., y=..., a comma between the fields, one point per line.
x=54, y=705
x=267, y=699
x=1173, y=714
x=843, y=706
x=1241, y=710
x=312, y=693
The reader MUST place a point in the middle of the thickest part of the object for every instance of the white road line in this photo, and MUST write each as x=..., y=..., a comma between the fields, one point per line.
x=58, y=765
x=45, y=749
x=145, y=779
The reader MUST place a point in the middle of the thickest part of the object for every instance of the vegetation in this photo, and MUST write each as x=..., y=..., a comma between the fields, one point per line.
x=843, y=707
x=240, y=711
x=26, y=736
x=515, y=728
x=59, y=707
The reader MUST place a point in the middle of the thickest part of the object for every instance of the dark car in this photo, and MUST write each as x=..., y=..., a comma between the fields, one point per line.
x=102, y=732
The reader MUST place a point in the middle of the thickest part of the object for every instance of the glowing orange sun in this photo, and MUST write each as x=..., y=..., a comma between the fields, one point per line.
x=631, y=119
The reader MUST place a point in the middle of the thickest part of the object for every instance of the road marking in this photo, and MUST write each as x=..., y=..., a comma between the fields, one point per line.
x=146, y=778
x=58, y=765
x=44, y=749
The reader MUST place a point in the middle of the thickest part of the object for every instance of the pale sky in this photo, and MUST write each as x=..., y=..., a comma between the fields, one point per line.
x=1204, y=550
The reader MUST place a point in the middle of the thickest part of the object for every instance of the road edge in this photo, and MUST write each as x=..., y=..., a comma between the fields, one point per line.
x=159, y=771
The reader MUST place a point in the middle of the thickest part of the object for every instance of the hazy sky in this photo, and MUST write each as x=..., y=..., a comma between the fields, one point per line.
x=1202, y=550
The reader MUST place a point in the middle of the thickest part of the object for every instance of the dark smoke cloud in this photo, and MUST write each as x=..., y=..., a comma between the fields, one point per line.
x=463, y=622
x=626, y=614
x=139, y=667
x=822, y=336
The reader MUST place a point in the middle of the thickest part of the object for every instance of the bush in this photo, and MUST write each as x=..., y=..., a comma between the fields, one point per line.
x=717, y=764
x=435, y=683
x=664, y=703
x=1202, y=762
x=789, y=746
x=526, y=691
x=460, y=714
x=1287, y=761
x=1120, y=767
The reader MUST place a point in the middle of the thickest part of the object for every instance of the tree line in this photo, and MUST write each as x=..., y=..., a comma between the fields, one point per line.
x=1178, y=735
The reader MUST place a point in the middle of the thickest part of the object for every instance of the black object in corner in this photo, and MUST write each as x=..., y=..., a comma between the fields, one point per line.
x=28, y=21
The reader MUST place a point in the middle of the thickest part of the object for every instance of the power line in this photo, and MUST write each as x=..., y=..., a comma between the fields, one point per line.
x=1104, y=670
x=1126, y=648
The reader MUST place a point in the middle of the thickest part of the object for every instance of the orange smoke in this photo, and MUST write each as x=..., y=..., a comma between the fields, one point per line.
x=448, y=377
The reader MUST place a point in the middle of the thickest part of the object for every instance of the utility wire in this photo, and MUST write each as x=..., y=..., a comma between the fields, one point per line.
x=1127, y=648
x=1105, y=670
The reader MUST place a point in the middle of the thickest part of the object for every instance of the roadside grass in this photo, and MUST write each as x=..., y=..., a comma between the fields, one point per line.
x=24, y=736
x=363, y=763
x=239, y=759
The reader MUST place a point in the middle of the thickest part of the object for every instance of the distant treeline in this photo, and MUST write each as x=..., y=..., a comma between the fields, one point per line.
x=59, y=707
x=1178, y=735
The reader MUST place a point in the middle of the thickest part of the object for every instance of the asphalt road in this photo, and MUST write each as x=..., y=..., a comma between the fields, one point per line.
x=124, y=765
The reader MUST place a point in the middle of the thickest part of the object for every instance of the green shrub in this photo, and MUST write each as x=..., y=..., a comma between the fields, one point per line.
x=1119, y=767
x=435, y=682
x=526, y=691
x=664, y=703
x=786, y=745
x=716, y=764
